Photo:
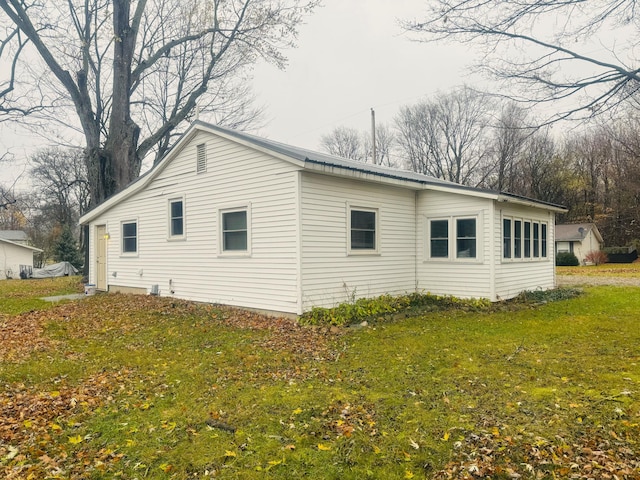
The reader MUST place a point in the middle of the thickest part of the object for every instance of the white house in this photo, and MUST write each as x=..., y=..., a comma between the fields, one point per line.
x=579, y=239
x=15, y=258
x=231, y=218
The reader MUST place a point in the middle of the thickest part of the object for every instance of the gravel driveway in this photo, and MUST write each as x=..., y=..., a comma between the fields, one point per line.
x=571, y=280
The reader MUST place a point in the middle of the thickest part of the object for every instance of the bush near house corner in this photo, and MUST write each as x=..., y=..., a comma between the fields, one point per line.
x=596, y=257
x=566, y=259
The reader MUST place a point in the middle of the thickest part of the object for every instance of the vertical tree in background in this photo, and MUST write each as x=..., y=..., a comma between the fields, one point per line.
x=445, y=137
x=132, y=71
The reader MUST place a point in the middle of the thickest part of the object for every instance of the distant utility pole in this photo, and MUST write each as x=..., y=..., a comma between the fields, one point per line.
x=373, y=136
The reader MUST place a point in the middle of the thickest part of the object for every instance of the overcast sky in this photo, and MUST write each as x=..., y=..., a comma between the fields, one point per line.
x=353, y=56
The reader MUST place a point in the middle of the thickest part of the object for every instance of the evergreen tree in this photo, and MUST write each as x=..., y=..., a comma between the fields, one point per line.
x=66, y=249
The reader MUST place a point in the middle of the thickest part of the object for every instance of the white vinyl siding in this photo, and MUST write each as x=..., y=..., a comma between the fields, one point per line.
x=193, y=268
x=330, y=275
x=455, y=275
x=11, y=257
x=529, y=272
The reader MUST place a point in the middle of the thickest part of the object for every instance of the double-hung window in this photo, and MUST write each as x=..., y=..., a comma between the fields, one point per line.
x=235, y=231
x=506, y=237
x=466, y=238
x=130, y=237
x=536, y=240
x=527, y=239
x=439, y=238
x=176, y=218
x=453, y=238
x=363, y=230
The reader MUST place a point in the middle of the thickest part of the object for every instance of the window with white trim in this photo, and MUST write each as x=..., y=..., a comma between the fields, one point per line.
x=363, y=230
x=439, y=238
x=506, y=238
x=533, y=239
x=452, y=238
x=176, y=218
x=130, y=237
x=466, y=238
x=234, y=231
x=517, y=238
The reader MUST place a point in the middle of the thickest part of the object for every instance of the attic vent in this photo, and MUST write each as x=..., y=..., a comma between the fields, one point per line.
x=201, y=165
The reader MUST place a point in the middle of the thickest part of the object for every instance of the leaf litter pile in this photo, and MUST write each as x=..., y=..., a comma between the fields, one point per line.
x=37, y=436
x=43, y=418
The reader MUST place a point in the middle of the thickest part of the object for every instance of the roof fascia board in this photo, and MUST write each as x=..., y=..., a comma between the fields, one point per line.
x=141, y=181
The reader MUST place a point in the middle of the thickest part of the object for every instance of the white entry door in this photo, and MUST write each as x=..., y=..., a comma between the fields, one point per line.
x=101, y=257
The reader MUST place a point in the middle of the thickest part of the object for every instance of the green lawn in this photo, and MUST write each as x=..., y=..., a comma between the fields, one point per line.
x=626, y=270
x=118, y=386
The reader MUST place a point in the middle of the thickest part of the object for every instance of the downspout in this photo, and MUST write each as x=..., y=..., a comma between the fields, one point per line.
x=492, y=250
x=299, y=241
x=416, y=240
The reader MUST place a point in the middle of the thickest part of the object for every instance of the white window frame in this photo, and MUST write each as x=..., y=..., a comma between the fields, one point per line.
x=363, y=251
x=455, y=228
x=428, y=247
x=531, y=257
x=453, y=239
x=137, y=250
x=234, y=253
x=170, y=235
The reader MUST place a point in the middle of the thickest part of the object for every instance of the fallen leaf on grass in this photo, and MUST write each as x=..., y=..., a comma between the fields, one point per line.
x=323, y=447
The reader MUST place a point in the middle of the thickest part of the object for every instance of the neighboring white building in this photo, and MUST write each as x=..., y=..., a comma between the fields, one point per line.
x=231, y=218
x=15, y=258
x=579, y=239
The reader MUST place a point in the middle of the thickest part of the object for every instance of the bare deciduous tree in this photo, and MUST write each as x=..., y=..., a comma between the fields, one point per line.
x=356, y=145
x=132, y=71
x=509, y=136
x=549, y=60
x=60, y=180
x=344, y=142
x=446, y=137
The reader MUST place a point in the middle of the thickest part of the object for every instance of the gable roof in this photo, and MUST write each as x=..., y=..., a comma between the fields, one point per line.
x=28, y=247
x=14, y=235
x=310, y=160
x=576, y=232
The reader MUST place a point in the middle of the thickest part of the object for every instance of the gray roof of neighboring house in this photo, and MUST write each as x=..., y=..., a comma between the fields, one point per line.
x=13, y=235
x=576, y=232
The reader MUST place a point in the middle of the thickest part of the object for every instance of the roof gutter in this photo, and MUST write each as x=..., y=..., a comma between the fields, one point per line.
x=531, y=203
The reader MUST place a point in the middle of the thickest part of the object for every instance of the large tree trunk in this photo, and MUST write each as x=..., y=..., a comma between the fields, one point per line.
x=121, y=147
